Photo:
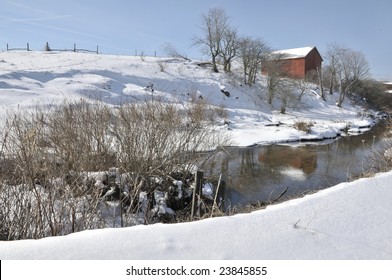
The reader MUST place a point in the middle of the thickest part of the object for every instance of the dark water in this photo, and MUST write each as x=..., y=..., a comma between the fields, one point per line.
x=262, y=173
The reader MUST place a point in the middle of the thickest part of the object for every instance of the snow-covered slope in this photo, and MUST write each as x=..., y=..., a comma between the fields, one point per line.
x=39, y=78
x=348, y=221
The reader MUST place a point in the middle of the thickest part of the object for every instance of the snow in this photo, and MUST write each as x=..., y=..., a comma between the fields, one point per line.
x=28, y=79
x=347, y=221
x=295, y=53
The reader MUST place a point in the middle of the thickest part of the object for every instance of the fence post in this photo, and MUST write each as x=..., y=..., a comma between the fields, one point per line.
x=197, y=193
x=7, y=47
x=97, y=49
x=28, y=47
x=219, y=195
x=74, y=47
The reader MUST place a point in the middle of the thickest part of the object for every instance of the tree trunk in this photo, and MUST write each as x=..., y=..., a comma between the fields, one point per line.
x=341, y=94
x=214, y=67
x=320, y=80
x=284, y=106
x=331, y=84
x=226, y=65
x=345, y=90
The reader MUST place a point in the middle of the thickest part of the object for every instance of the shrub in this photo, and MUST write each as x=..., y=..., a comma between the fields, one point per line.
x=47, y=156
x=374, y=92
x=162, y=65
x=303, y=126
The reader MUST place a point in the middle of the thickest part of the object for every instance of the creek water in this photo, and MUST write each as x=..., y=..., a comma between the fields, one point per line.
x=263, y=173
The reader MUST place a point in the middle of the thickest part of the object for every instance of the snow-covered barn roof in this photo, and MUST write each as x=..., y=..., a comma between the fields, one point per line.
x=295, y=53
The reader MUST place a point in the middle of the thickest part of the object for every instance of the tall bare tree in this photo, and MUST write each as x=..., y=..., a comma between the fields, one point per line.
x=215, y=25
x=253, y=52
x=320, y=82
x=332, y=59
x=274, y=67
x=229, y=47
x=351, y=67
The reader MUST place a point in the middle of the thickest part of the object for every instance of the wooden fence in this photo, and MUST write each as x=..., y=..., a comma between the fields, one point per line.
x=142, y=54
x=47, y=48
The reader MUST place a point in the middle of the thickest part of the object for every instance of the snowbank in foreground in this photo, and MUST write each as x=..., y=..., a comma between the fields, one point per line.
x=349, y=221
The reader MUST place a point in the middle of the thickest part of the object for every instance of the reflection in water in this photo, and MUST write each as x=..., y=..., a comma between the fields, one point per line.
x=298, y=158
x=261, y=173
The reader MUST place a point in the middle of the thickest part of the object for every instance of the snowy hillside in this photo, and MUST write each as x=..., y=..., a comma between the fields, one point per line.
x=348, y=221
x=38, y=78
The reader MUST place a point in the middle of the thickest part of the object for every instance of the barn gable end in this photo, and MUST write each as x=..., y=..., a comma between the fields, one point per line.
x=298, y=63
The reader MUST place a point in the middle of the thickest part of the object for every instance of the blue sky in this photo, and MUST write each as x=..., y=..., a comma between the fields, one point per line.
x=123, y=26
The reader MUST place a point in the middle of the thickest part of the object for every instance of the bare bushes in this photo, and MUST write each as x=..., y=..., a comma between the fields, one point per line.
x=36, y=212
x=381, y=158
x=77, y=134
x=303, y=126
x=47, y=159
x=38, y=153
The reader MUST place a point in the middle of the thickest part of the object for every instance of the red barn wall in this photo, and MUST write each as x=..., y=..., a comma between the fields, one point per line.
x=313, y=61
x=294, y=68
x=299, y=67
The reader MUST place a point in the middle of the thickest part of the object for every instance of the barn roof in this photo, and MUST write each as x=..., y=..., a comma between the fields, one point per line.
x=295, y=53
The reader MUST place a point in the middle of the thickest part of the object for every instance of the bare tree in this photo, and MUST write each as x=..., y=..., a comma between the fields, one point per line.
x=351, y=67
x=214, y=26
x=171, y=51
x=285, y=94
x=332, y=58
x=253, y=52
x=273, y=67
x=329, y=79
x=229, y=47
x=320, y=82
x=302, y=85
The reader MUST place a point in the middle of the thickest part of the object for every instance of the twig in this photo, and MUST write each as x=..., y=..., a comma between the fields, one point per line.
x=216, y=195
x=280, y=195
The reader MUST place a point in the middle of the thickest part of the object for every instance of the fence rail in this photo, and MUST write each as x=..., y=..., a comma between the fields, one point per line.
x=48, y=49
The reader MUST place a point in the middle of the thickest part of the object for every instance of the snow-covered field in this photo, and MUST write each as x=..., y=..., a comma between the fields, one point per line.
x=348, y=221
x=39, y=78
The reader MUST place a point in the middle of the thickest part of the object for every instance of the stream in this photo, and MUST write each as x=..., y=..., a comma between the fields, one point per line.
x=263, y=173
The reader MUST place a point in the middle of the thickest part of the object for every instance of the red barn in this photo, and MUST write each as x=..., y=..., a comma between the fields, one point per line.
x=297, y=63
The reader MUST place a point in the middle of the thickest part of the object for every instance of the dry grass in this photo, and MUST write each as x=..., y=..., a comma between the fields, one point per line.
x=303, y=126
